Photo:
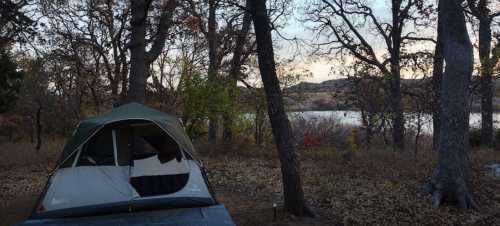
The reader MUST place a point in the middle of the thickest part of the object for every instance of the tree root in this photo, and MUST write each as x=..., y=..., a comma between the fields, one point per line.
x=306, y=212
x=453, y=192
x=463, y=201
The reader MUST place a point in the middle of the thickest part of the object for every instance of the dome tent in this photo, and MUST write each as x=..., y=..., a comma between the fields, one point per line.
x=130, y=159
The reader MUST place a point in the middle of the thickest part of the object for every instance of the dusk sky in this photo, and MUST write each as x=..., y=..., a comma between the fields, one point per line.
x=321, y=67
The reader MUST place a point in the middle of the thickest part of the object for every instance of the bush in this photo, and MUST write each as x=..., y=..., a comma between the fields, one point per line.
x=324, y=132
x=351, y=140
x=201, y=99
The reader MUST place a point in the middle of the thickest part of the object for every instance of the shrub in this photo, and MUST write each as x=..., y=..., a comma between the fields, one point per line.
x=351, y=140
x=324, y=132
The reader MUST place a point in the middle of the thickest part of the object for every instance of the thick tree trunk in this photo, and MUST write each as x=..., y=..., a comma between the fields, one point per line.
x=397, y=117
x=234, y=74
x=137, y=80
x=437, y=74
x=213, y=66
x=290, y=165
x=486, y=82
x=449, y=181
x=395, y=88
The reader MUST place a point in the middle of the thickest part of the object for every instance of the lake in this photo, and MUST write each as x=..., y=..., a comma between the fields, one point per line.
x=354, y=118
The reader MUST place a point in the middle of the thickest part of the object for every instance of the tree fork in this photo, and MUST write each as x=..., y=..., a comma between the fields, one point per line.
x=235, y=74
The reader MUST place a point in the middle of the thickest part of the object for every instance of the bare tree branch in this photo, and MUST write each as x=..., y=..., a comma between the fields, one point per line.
x=162, y=31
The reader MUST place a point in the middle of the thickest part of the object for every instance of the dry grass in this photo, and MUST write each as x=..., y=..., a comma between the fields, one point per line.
x=23, y=170
x=23, y=153
x=376, y=187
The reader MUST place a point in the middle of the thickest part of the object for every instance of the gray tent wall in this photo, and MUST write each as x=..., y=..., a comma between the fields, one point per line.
x=74, y=187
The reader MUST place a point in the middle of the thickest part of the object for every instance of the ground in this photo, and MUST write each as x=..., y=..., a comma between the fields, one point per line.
x=375, y=187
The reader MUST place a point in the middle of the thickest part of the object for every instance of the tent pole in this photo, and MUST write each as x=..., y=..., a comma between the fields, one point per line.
x=115, y=152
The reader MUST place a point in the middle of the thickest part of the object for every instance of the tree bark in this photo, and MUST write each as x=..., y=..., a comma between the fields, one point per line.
x=290, y=165
x=395, y=87
x=213, y=65
x=450, y=180
x=417, y=134
x=397, y=117
x=437, y=74
x=234, y=74
x=365, y=119
x=486, y=82
x=137, y=80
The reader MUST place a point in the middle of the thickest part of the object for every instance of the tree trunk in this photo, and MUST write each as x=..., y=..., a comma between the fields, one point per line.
x=449, y=181
x=395, y=87
x=124, y=75
x=417, y=133
x=437, y=74
x=234, y=75
x=113, y=83
x=213, y=66
x=290, y=165
x=137, y=79
x=366, y=119
x=397, y=117
x=486, y=82
x=95, y=98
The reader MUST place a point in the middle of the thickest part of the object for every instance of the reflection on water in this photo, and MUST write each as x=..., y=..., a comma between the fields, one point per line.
x=354, y=118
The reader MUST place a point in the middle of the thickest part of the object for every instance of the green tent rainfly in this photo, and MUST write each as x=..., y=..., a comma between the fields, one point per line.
x=89, y=126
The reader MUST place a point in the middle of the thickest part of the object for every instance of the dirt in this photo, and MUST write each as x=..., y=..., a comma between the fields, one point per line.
x=249, y=211
x=18, y=210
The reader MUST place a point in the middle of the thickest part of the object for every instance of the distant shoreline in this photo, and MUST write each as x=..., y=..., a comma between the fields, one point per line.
x=347, y=109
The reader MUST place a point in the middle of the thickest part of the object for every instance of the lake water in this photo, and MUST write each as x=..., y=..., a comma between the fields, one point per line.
x=354, y=118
